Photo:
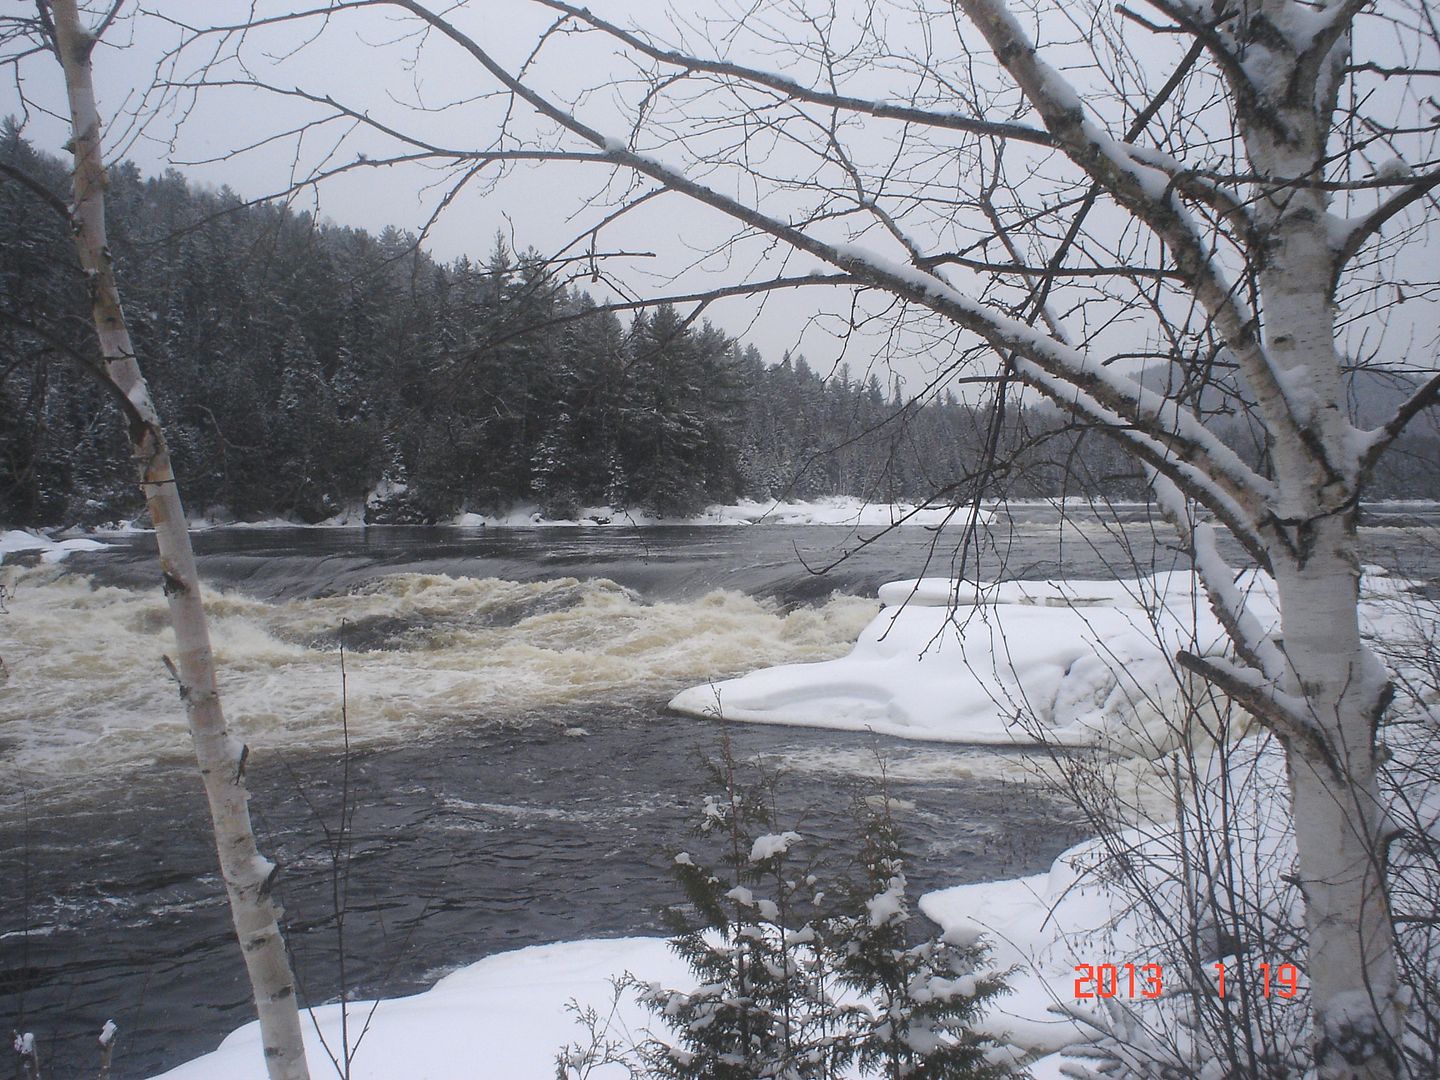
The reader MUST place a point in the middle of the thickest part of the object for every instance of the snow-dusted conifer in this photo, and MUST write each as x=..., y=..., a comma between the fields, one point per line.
x=765, y=1004
x=798, y=978
x=923, y=994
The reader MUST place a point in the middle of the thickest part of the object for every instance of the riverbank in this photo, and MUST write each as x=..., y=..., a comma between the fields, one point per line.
x=837, y=510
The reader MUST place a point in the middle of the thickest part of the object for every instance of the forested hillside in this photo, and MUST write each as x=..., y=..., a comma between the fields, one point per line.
x=304, y=369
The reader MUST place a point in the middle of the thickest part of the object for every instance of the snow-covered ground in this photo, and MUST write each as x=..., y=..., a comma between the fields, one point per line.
x=517, y=1011
x=507, y=1011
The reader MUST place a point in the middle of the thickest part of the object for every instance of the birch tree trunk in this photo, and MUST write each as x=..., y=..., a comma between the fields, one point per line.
x=1310, y=533
x=248, y=875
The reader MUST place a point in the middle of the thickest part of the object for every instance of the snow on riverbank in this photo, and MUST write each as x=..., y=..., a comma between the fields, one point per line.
x=508, y=1011
x=1087, y=908
x=513, y=1010
x=838, y=510
x=835, y=510
x=51, y=551
x=1073, y=663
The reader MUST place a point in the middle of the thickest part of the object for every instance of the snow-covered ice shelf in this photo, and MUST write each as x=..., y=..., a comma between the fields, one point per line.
x=1073, y=663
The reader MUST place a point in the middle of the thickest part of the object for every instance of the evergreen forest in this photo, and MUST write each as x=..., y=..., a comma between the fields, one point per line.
x=305, y=369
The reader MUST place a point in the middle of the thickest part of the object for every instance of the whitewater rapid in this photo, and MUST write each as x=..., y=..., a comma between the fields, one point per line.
x=88, y=694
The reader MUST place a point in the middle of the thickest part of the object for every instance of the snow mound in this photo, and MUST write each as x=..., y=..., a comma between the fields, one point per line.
x=51, y=551
x=1075, y=663
x=1085, y=909
x=509, y=1009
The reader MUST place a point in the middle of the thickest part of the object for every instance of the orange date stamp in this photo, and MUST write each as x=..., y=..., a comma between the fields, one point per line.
x=1100, y=981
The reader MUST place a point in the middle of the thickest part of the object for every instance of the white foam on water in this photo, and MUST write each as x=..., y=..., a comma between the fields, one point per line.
x=87, y=695
x=915, y=764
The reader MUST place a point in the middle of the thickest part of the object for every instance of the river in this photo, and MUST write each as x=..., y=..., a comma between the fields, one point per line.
x=515, y=777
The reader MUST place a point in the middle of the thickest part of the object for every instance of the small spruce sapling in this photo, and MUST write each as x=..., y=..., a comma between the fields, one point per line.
x=797, y=981
x=923, y=995
x=765, y=1006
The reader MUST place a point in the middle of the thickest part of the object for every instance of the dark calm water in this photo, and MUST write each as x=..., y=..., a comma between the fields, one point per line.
x=505, y=828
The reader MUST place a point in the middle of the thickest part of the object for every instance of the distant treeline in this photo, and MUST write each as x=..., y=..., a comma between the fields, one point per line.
x=302, y=368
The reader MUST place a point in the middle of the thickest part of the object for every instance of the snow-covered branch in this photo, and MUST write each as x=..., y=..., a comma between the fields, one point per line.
x=1427, y=396
x=1252, y=642
x=1353, y=234
x=1190, y=472
x=1147, y=192
x=1280, y=712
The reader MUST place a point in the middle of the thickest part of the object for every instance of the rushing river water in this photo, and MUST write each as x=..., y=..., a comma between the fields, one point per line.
x=515, y=777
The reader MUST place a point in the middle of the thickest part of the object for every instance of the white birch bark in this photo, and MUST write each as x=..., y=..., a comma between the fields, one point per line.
x=248, y=875
x=1339, y=824
x=1338, y=813
x=1311, y=537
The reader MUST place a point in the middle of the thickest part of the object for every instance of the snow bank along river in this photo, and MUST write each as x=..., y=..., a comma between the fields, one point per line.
x=516, y=778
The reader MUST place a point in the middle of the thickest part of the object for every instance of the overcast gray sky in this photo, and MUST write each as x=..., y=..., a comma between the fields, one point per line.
x=373, y=61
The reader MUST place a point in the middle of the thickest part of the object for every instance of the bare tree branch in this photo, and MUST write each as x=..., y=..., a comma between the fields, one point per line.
x=1427, y=396
x=49, y=198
